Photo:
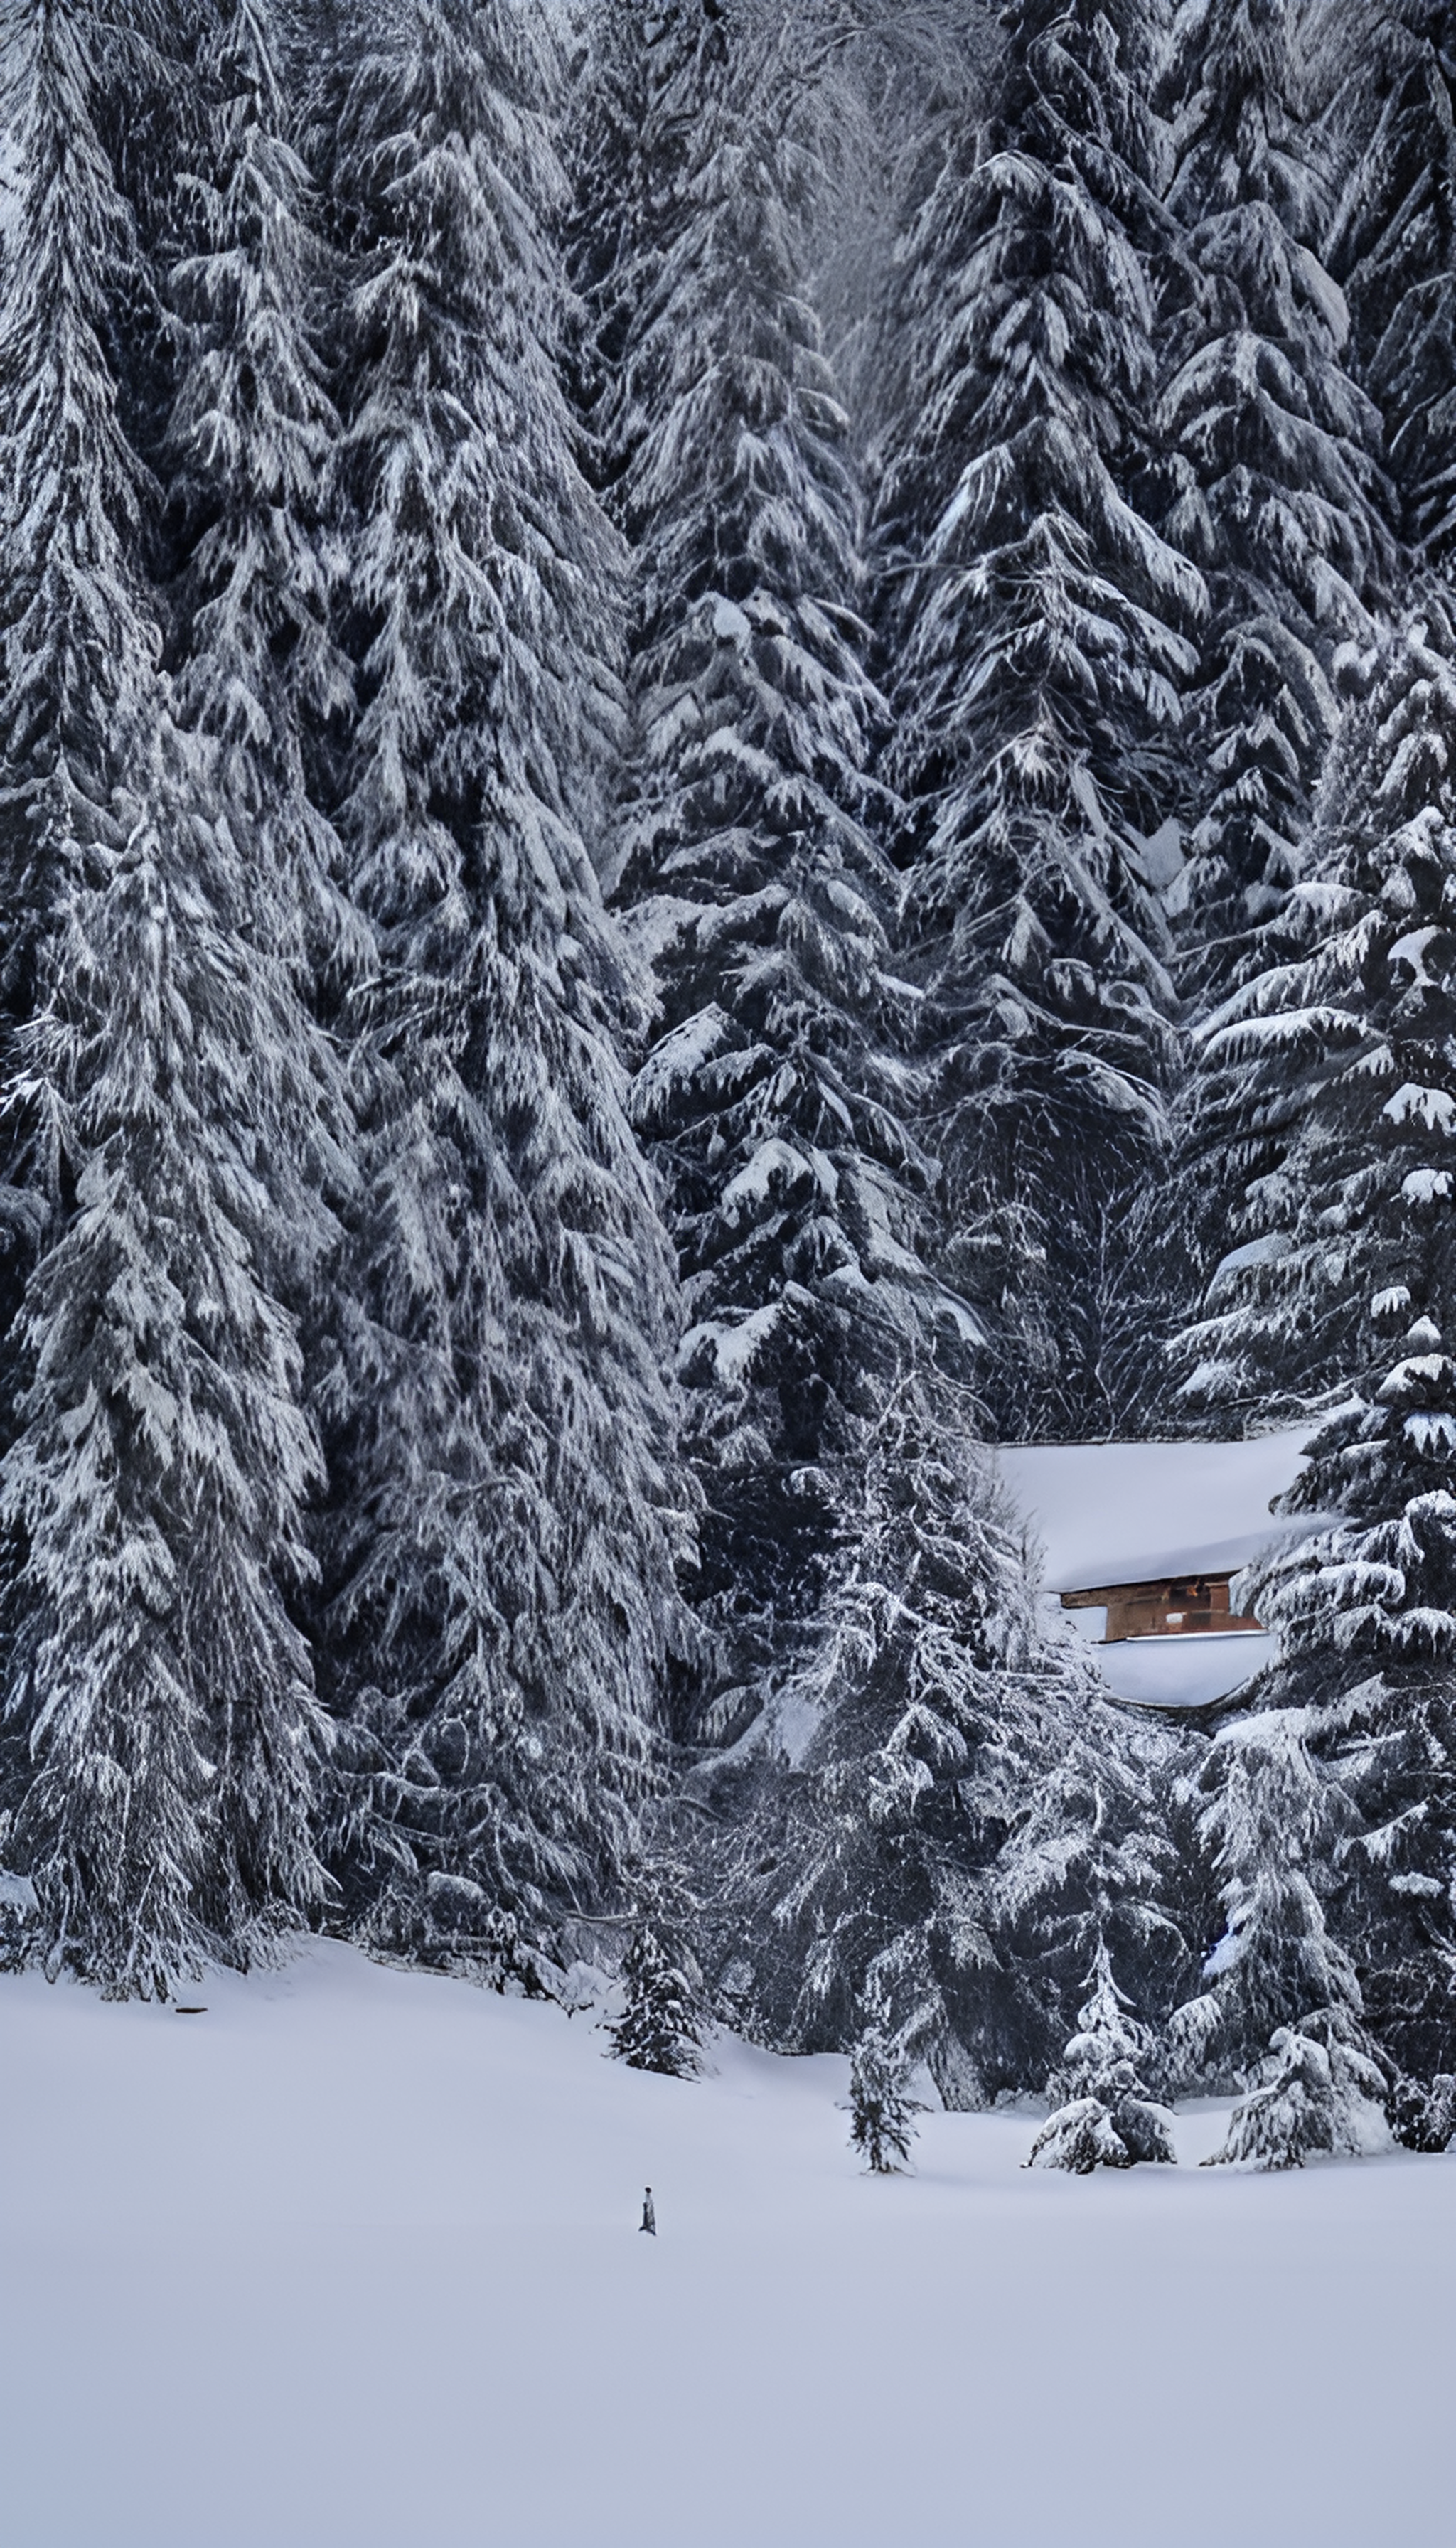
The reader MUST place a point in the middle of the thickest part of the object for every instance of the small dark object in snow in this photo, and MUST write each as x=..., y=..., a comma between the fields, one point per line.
x=179, y=2010
x=649, y=2214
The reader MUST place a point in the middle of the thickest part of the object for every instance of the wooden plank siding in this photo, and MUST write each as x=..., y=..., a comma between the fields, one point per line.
x=1172, y=1607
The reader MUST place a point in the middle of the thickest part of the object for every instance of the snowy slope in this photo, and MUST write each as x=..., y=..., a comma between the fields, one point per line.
x=352, y=2261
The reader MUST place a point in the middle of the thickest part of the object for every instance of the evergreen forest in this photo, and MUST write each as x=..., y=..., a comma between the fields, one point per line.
x=728, y=765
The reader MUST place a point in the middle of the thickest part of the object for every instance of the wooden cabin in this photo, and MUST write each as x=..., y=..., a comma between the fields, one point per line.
x=1139, y=1545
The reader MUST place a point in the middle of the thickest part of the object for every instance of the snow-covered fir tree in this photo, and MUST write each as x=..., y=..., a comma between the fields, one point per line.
x=1270, y=1822
x=1038, y=627
x=1104, y=2114
x=774, y=1092
x=882, y=2109
x=255, y=669
x=1280, y=497
x=1319, y=2097
x=80, y=646
x=625, y=139
x=1346, y=1288
x=1106, y=2036
x=1392, y=245
x=661, y=2027
x=160, y=1480
x=939, y=1815
x=164, y=1759
x=80, y=640
x=504, y=1611
x=1333, y=1053
x=249, y=443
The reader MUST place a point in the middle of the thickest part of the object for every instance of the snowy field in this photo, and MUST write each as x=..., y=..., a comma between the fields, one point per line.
x=353, y=2261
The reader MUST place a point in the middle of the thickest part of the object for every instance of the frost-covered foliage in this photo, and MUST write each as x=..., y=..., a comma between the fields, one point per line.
x=748, y=866
x=1280, y=495
x=1269, y=1822
x=255, y=671
x=938, y=1816
x=1107, y=2037
x=1392, y=243
x=249, y=444
x=164, y=1463
x=1038, y=631
x=882, y=2109
x=378, y=605
x=80, y=640
x=505, y=1512
x=1321, y=2097
x=1353, y=1041
x=1424, y=2118
x=1335, y=1061
x=156, y=1488
x=628, y=136
x=661, y=2027
x=1104, y=2115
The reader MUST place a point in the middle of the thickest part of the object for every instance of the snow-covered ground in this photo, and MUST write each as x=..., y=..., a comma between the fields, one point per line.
x=353, y=2261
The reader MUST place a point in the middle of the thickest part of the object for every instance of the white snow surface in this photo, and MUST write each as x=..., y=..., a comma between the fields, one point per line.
x=1183, y=1672
x=1120, y=1512
x=353, y=2261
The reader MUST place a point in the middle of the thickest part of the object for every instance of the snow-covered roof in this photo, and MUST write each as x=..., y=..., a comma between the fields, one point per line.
x=1125, y=1513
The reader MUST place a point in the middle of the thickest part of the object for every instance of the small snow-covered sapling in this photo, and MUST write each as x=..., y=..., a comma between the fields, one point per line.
x=1104, y=2114
x=662, y=2026
x=880, y=2106
x=1321, y=2097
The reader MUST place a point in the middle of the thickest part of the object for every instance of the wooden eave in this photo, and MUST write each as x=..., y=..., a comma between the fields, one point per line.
x=1166, y=1606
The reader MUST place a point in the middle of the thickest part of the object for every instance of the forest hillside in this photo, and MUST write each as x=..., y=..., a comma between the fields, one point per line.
x=728, y=768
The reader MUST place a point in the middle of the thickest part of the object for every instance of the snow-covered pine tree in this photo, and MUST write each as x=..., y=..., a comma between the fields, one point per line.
x=255, y=669
x=159, y=1485
x=1103, y=2115
x=1270, y=1823
x=1281, y=498
x=1320, y=2096
x=1392, y=245
x=661, y=2027
x=1038, y=629
x=775, y=1093
x=164, y=1758
x=882, y=2109
x=939, y=1815
x=249, y=441
x=79, y=638
x=1333, y=1053
x=623, y=145
x=1107, y=2037
x=79, y=643
x=505, y=1505
x=1347, y=1287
